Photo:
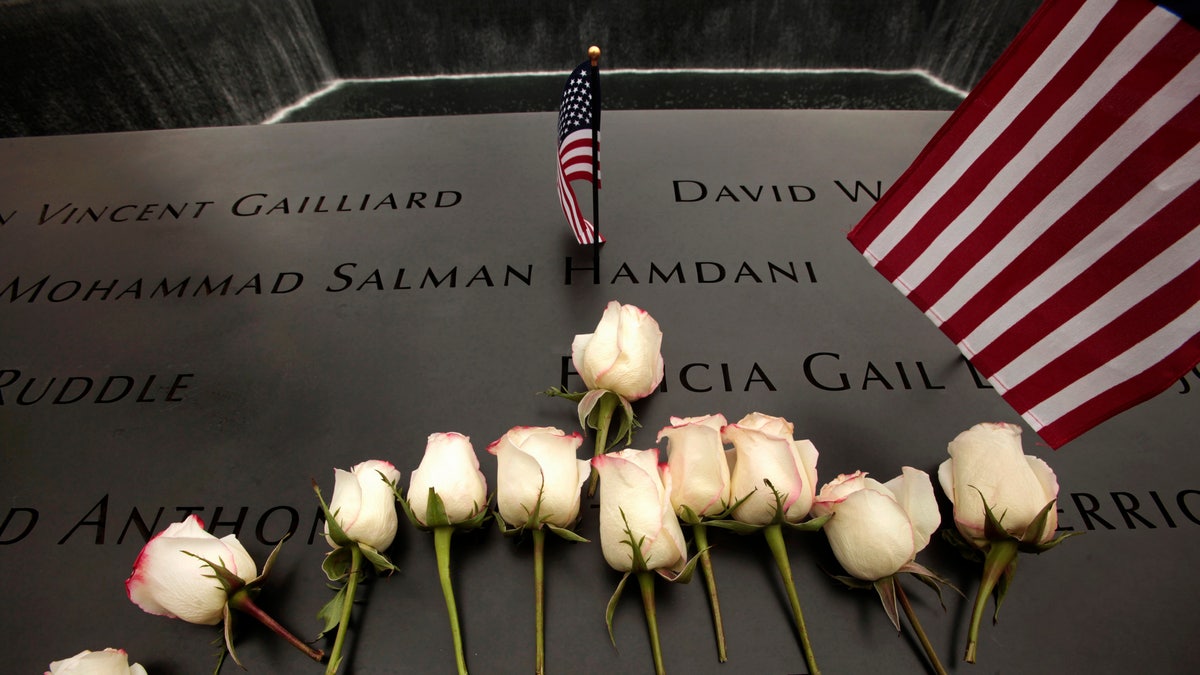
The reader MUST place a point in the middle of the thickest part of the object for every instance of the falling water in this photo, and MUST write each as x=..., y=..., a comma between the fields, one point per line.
x=78, y=66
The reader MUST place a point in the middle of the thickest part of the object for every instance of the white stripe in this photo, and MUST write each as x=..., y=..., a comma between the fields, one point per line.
x=1110, y=153
x=1129, y=364
x=1166, y=187
x=566, y=199
x=1135, y=288
x=996, y=121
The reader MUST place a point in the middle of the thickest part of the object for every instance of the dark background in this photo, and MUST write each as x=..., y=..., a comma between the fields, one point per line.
x=86, y=66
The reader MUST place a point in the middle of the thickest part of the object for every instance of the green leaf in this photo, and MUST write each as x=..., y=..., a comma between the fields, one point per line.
x=886, y=588
x=612, y=607
x=337, y=564
x=331, y=613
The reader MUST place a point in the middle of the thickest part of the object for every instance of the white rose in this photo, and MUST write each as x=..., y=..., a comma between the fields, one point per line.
x=451, y=468
x=535, y=463
x=364, y=504
x=166, y=581
x=878, y=528
x=635, y=505
x=987, y=463
x=764, y=450
x=108, y=662
x=697, y=463
x=623, y=355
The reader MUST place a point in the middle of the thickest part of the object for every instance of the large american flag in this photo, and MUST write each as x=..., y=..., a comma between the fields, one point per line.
x=1051, y=228
x=578, y=115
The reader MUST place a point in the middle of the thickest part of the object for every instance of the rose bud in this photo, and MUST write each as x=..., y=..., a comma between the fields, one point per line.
x=108, y=662
x=364, y=503
x=698, y=466
x=623, y=355
x=988, y=465
x=537, y=471
x=765, y=452
x=451, y=468
x=878, y=528
x=635, y=505
x=170, y=579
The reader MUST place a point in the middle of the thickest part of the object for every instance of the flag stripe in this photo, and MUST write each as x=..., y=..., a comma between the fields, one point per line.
x=971, y=130
x=1176, y=340
x=1098, y=123
x=1121, y=396
x=1067, y=285
x=1051, y=228
x=1096, y=317
x=1079, y=280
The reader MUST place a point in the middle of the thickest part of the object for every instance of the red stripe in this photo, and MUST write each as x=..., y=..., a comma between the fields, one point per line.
x=1046, y=23
x=1157, y=234
x=1141, y=387
x=1054, y=93
x=1135, y=172
x=1142, y=320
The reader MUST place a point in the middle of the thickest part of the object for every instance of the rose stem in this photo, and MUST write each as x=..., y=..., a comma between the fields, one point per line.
x=916, y=624
x=441, y=543
x=603, y=420
x=710, y=581
x=774, y=535
x=245, y=604
x=335, y=657
x=539, y=596
x=999, y=557
x=646, y=582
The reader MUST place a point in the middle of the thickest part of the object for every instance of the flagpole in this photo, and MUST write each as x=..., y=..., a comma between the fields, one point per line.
x=594, y=76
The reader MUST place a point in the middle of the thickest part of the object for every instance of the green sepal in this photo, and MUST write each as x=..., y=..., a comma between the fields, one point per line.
x=230, y=582
x=930, y=579
x=435, y=511
x=611, y=609
x=227, y=629
x=993, y=530
x=569, y=535
x=1002, y=584
x=811, y=525
x=331, y=613
x=886, y=588
x=734, y=526
x=685, y=575
x=378, y=560
x=849, y=581
x=258, y=581
x=336, y=533
x=1030, y=544
x=336, y=564
x=961, y=544
x=597, y=406
x=561, y=392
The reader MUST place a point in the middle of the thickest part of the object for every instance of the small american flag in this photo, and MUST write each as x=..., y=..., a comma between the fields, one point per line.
x=578, y=115
x=1051, y=228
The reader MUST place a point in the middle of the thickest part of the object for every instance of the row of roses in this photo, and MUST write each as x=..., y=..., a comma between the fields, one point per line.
x=765, y=480
x=764, y=483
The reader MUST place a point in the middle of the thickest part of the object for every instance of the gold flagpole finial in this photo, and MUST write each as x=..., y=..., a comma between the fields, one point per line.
x=594, y=54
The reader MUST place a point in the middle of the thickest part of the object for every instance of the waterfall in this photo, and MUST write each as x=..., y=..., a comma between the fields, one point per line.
x=77, y=66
